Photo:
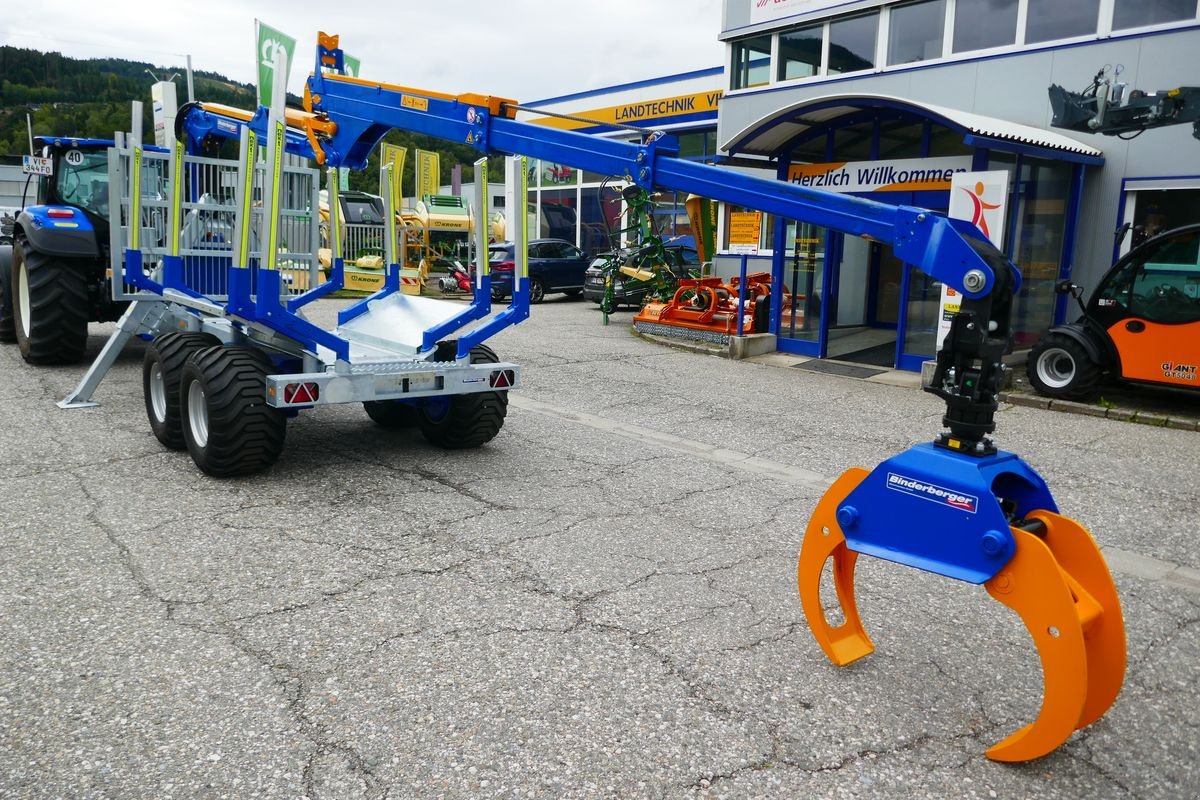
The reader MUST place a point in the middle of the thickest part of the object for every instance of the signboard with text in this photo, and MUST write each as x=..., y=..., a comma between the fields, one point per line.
x=745, y=231
x=895, y=175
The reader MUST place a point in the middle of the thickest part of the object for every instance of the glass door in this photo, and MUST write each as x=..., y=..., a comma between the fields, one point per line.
x=802, y=326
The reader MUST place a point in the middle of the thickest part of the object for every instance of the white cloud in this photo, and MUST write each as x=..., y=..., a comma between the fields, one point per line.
x=524, y=49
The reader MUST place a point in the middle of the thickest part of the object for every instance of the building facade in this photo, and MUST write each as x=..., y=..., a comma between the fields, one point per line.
x=828, y=91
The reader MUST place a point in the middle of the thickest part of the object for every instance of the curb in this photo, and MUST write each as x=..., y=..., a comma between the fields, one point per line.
x=1115, y=413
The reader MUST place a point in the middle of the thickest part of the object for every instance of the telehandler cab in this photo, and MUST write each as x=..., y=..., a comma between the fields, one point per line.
x=1142, y=323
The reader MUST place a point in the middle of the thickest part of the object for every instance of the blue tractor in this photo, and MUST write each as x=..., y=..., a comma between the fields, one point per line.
x=54, y=279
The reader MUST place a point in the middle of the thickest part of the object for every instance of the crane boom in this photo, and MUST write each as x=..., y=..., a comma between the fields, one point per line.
x=346, y=117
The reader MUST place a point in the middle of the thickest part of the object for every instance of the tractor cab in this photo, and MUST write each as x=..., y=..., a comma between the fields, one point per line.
x=79, y=176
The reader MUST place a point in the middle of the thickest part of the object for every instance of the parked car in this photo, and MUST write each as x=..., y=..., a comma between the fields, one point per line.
x=680, y=259
x=555, y=265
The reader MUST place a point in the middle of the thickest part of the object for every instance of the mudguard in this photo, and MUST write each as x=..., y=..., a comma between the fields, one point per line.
x=70, y=237
x=1098, y=347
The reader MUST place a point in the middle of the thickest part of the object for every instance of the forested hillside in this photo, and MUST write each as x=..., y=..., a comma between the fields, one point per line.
x=90, y=97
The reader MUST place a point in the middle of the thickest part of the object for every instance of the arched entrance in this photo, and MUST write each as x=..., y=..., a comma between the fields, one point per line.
x=850, y=298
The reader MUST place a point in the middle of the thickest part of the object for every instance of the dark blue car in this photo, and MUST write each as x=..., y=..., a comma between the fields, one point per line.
x=555, y=265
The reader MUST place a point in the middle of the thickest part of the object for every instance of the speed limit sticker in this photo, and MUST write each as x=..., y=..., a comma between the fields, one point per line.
x=74, y=157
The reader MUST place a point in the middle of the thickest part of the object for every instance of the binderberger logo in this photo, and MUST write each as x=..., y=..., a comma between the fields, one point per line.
x=932, y=492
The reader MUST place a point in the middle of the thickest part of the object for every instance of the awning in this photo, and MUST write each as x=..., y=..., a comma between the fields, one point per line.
x=775, y=132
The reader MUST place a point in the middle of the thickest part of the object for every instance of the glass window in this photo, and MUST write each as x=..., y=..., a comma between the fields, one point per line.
x=1167, y=288
x=558, y=214
x=1135, y=13
x=83, y=179
x=1041, y=217
x=900, y=139
x=980, y=24
x=1060, y=19
x=852, y=44
x=800, y=53
x=916, y=32
x=853, y=142
x=751, y=62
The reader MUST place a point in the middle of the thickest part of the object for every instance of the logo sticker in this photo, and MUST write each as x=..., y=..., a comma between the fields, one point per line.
x=1185, y=372
x=932, y=492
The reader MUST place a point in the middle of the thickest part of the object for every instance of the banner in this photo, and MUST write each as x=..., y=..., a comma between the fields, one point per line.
x=429, y=173
x=353, y=66
x=981, y=198
x=894, y=175
x=394, y=155
x=269, y=40
x=660, y=110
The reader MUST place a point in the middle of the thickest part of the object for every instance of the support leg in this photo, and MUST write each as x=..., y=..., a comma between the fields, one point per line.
x=141, y=317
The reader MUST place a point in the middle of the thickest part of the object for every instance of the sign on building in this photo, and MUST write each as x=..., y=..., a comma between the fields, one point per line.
x=981, y=198
x=895, y=175
x=745, y=232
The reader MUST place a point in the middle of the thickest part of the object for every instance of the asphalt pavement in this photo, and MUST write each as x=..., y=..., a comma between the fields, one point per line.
x=599, y=603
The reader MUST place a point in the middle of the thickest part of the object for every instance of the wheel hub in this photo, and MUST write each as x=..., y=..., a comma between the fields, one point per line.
x=197, y=411
x=1056, y=367
x=23, y=301
x=158, y=393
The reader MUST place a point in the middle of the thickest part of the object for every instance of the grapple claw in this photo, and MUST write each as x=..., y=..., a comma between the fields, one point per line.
x=823, y=538
x=1060, y=587
x=986, y=519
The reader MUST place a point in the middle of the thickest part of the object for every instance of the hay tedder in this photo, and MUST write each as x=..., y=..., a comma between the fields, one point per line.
x=240, y=355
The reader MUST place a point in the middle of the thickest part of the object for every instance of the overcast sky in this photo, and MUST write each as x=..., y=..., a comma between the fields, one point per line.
x=523, y=49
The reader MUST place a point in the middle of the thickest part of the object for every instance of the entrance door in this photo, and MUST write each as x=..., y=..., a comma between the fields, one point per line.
x=802, y=326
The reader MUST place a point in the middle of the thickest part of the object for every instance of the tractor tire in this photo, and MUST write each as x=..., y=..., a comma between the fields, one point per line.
x=462, y=421
x=1059, y=366
x=50, y=307
x=162, y=370
x=392, y=413
x=227, y=425
x=8, y=328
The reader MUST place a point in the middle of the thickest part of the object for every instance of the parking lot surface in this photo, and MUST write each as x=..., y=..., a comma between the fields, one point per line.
x=599, y=603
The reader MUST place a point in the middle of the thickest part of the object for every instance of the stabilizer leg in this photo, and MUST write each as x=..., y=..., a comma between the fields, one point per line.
x=824, y=538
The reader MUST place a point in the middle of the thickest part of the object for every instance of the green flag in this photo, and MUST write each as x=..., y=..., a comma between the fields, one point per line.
x=269, y=40
x=353, y=65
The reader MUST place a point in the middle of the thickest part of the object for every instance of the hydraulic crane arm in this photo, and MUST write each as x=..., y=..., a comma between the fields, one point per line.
x=203, y=126
x=348, y=116
x=1107, y=107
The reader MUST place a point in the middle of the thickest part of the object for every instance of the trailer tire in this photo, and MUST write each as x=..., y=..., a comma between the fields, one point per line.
x=8, y=327
x=162, y=371
x=50, y=307
x=1059, y=366
x=227, y=425
x=392, y=413
x=464, y=421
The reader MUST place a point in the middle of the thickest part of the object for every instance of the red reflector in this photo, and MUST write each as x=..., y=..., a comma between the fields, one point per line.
x=61, y=213
x=504, y=266
x=301, y=393
x=502, y=379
